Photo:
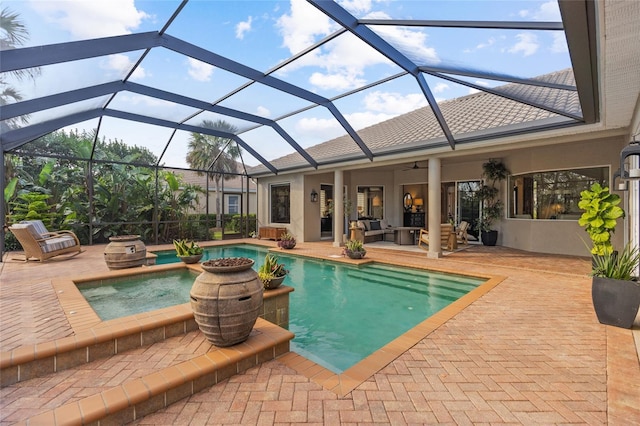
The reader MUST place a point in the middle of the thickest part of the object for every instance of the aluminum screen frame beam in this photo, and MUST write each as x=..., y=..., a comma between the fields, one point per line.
x=337, y=13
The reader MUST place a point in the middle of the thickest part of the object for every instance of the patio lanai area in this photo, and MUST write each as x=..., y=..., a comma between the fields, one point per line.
x=528, y=351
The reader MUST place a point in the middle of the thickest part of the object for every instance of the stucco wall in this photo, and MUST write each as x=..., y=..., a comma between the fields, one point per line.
x=547, y=236
x=557, y=236
x=297, y=199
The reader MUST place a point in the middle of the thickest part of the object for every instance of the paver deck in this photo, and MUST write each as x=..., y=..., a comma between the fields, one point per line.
x=530, y=351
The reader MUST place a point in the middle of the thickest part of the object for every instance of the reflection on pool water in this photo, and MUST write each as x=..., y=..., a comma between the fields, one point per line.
x=339, y=313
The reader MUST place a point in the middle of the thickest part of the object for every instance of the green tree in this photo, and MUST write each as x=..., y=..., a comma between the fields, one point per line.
x=217, y=155
x=13, y=34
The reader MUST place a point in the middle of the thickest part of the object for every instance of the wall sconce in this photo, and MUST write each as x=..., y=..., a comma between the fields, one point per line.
x=622, y=172
x=314, y=196
x=418, y=202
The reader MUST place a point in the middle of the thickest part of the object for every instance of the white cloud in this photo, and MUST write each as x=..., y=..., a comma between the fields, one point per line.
x=122, y=65
x=135, y=99
x=559, y=43
x=243, y=27
x=342, y=61
x=409, y=41
x=330, y=128
x=356, y=6
x=527, y=44
x=478, y=83
x=360, y=120
x=263, y=111
x=338, y=81
x=199, y=70
x=440, y=87
x=394, y=103
x=548, y=11
x=92, y=19
x=300, y=28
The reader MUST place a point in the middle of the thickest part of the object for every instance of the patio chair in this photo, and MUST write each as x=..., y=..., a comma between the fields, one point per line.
x=461, y=232
x=445, y=237
x=40, y=244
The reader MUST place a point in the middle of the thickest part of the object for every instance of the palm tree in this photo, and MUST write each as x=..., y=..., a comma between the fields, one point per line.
x=13, y=34
x=217, y=155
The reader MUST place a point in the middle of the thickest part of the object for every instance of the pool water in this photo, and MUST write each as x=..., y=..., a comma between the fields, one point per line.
x=339, y=313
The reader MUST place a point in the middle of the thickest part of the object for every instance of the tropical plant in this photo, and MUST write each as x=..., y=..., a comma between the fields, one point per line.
x=32, y=206
x=354, y=249
x=619, y=266
x=13, y=34
x=493, y=171
x=216, y=155
x=186, y=247
x=271, y=269
x=601, y=212
x=287, y=241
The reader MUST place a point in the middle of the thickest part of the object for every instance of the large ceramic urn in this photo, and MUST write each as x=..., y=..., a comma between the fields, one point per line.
x=226, y=300
x=125, y=251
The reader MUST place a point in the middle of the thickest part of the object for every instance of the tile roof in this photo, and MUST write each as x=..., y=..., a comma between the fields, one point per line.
x=466, y=117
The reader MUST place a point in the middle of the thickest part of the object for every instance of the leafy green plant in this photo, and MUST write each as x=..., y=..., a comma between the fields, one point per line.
x=601, y=212
x=287, y=240
x=271, y=269
x=619, y=266
x=185, y=247
x=493, y=171
x=352, y=247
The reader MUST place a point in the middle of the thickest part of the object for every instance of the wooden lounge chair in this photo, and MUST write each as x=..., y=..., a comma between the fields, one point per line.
x=40, y=244
x=461, y=232
x=445, y=237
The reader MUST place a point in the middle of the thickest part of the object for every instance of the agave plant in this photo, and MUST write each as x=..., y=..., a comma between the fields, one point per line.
x=271, y=269
x=619, y=266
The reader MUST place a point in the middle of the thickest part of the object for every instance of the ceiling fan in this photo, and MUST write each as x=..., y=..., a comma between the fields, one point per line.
x=415, y=167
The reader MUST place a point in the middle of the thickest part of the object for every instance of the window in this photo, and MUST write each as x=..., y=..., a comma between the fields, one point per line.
x=370, y=202
x=233, y=204
x=281, y=203
x=552, y=195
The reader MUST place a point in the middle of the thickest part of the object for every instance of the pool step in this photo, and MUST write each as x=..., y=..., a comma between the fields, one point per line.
x=450, y=290
x=418, y=275
x=140, y=396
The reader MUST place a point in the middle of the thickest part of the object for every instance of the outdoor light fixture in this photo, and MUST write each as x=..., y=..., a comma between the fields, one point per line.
x=629, y=173
x=314, y=196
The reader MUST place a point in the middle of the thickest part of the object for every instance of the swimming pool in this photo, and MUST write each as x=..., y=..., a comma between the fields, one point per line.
x=339, y=313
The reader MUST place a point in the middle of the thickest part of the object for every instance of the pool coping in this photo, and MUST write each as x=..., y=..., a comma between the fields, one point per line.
x=89, y=328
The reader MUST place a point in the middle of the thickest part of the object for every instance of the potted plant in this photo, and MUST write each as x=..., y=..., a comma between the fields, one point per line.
x=354, y=249
x=601, y=211
x=287, y=241
x=615, y=292
x=272, y=273
x=493, y=172
x=188, y=251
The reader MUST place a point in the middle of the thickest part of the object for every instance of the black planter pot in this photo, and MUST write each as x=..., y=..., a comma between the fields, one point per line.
x=489, y=238
x=616, y=302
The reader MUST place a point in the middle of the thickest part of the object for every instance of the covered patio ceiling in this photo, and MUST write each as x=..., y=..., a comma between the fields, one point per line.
x=399, y=51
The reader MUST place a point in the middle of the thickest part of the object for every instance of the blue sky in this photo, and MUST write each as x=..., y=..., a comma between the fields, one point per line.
x=262, y=34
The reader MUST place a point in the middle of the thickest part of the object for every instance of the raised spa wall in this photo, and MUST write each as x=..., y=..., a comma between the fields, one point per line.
x=95, y=339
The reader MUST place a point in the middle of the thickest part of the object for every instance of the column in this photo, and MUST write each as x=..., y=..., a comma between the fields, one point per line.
x=338, y=208
x=434, y=208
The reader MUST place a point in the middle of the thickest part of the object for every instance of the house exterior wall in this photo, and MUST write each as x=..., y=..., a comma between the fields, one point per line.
x=539, y=235
x=557, y=236
x=299, y=200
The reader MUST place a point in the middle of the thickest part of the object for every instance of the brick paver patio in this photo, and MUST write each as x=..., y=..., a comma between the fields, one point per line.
x=530, y=351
